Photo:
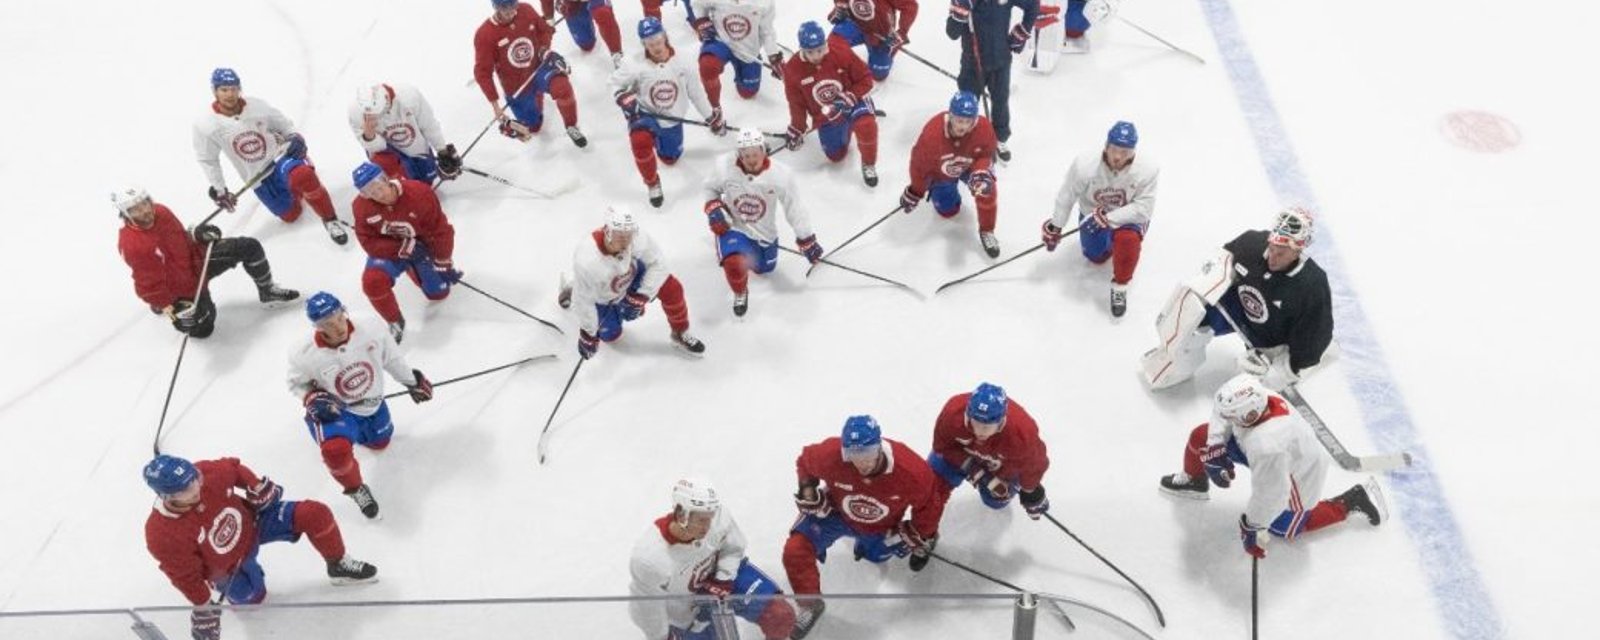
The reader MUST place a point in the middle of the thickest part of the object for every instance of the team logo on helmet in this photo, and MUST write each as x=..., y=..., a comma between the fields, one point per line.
x=954, y=166
x=400, y=134
x=520, y=53
x=355, y=379
x=664, y=94
x=749, y=207
x=250, y=146
x=225, y=530
x=827, y=90
x=865, y=509
x=1111, y=198
x=1255, y=304
x=736, y=27
x=864, y=9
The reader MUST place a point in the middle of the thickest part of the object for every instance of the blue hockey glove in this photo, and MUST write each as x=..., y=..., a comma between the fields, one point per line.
x=1019, y=38
x=702, y=27
x=323, y=406
x=981, y=182
x=297, y=146
x=961, y=11
x=633, y=306
x=628, y=101
x=717, y=217
x=1219, y=467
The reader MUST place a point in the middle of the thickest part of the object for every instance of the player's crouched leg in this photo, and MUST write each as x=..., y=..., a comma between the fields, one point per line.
x=756, y=599
x=747, y=78
x=946, y=198
x=248, y=583
x=996, y=493
x=305, y=185
x=339, y=456
x=432, y=284
x=951, y=475
x=376, y=429
x=835, y=139
x=800, y=558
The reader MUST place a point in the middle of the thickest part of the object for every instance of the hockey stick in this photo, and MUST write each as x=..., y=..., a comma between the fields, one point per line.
x=1160, y=617
x=544, y=445
x=928, y=63
x=1003, y=583
x=512, y=307
x=1255, y=614
x=994, y=266
x=858, y=234
x=205, y=268
x=508, y=97
x=530, y=191
x=856, y=271
x=260, y=175
x=1162, y=40
x=474, y=375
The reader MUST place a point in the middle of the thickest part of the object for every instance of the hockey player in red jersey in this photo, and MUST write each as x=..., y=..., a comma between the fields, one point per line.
x=956, y=146
x=582, y=16
x=167, y=261
x=403, y=230
x=829, y=84
x=514, y=45
x=989, y=440
x=882, y=25
x=859, y=485
x=205, y=535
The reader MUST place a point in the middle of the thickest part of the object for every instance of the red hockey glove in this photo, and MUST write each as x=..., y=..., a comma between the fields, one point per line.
x=717, y=125
x=981, y=183
x=702, y=27
x=717, y=217
x=633, y=305
x=793, y=138
x=808, y=246
x=717, y=588
x=587, y=344
x=323, y=406
x=223, y=199
x=1051, y=234
x=909, y=199
x=422, y=391
x=264, y=494
x=1019, y=38
x=812, y=500
x=1247, y=535
x=776, y=60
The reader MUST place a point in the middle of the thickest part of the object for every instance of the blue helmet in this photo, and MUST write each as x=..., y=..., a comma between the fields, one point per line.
x=169, y=475
x=861, y=433
x=366, y=173
x=964, y=104
x=650, y=27
x=224, y=77
x=322, y=305
x=811, y=35
x=501, y=4
x=1123, y=134
x=987, y=404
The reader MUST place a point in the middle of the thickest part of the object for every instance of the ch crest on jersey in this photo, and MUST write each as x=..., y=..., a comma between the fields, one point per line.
x=521, y=52
x=664, y=94
x=250, y=146
x=864, y=9
x=354, y=379
x=954, y=166
x=1255, y=304
x=225, y=530
x=826, y=91
x=865, y=509
x=620, y=282
x=400, y=134
x=749, y=207
x=1111, y=198
x=736, y=27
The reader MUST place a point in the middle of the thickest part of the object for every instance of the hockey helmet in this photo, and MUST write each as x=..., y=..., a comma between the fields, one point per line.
x=862, y=437
x=126, y=197
x=811, y=35
x=987, y=404
x=501, y=4
x=619, y=220
x=1292, y=228
x=1123, y=134
x=650, y=27
x=751, y=138
x=964, y=104
x=321, y=305
x=691, y=495
x=169, y=475
x=224, y=77
x=1241, y=400
x=374, y=99
x=365, y=174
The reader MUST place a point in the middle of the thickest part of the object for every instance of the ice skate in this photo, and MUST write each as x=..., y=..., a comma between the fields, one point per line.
x=991, y=246
x=1183, y=486
x=1119, y=300
x=688, y=344
x=741, y=303
x=272, y=294
x=806, y=615
x=869, y=174
x=363, y=497
x=397, y=330
x=577, y=137
x=1002, y=152
x=336, y=231
x=348, y=571
x=1366, y=499
x=656, y=196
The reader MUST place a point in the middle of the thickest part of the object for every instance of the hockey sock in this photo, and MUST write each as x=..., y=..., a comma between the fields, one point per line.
x=737, y=273
x=561, y=90
x=800, y=562
x=652, y=8
x=315, y=520
x=644, y=154
x=987, y=210
x=341, y=462
x=379, y=288
x=672, y=302
x=711, y=77
x=1125, y=245
x=866, y=130
x=777, y=620
x=1325, y=513
x=1192, y=466
x=606, y=19
x=304, y=183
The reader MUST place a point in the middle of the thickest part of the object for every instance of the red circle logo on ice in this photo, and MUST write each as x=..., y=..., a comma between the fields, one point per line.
x=749, y=207
x=400, y=135
x=1255, y=304
x=250, y=146
x=864, y=9
x=736, y=27
x=864, y=509
x=355, y=379
x=1480, y=131
x=664, y=94
x=953, y=166
x=520, y=53
x=225, y=530
x=826, y=91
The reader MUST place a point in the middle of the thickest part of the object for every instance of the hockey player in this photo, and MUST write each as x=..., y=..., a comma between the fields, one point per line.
x=956, y=146
x=582, y=16
x=698, y=549
x=830, y=85
x=619, y=271
x=167, y=261
x=335, y=374
x=403, y=230
x=737, y=31
x=257, y=138
x=986, y=50
x=859, y=485
x=653, y=83
x=882, y=25
x=514, y=45
x=1115, y=191
x=1261, y=284
x=1256, y=428
x=205, y=535
x=742, y=196
x=989, y=440
x=396, y=127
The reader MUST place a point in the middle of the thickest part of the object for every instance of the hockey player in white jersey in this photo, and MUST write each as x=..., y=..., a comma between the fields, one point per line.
x=742, y=197
x=655, y=82
x=1115, y=193
x=1254, y=427
x=619, y=270
x=338, y=376
x=698, y=549
x=396, y=127
x=259, y=140
x=737, y=32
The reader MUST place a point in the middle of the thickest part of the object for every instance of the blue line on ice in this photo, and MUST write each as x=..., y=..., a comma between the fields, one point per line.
x=1463, y=602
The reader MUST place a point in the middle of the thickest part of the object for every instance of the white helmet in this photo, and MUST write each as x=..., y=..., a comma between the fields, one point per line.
x=1292, y=228
x=126, y=197
x=1239, y=397
x=620, y=220
x=751, y=138
x=373, y=100
x=694, y=494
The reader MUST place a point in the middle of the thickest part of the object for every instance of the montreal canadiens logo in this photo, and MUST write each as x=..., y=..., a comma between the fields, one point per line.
x=400, y=135
x=1110, y=198
x=225, y=530
x=619, y=284
x=749, y=207
x=954, y=166
x=826, y=91
x=736, y=27
x=1255, y=304
x=354, y=379
x=250, y=146
x=664, y=94
x=865, y=509
x=864, y=9
x=520, y=53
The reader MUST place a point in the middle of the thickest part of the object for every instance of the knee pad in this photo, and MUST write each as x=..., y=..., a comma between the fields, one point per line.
x=799, y=552
x=710, y=66
x=337, y=454
x=643, y=142
x=375, y=283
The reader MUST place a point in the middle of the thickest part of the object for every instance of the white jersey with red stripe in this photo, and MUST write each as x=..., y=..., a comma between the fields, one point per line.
x=744, y=25
x=603, y=278
x=408, y=126
x=350, y=371
x=251, y=140
x=1287, y=464
x=1127, y=196
x=666, y=88
x=662, y=565
x=753, y=200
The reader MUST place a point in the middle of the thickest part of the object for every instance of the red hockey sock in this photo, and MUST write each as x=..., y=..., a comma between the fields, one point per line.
x=379, y=288
x=672, y=302
x=606, y=19
x=341, y=462
x=315, y=520
x=1192, y=465
x=1325, y=513
x=737, y=273
x=777, y=620
x=293, y=213
x=652, y=8
x=800, y=562
x=561, y=90
x=1125, y=245
x=711, y=77
x=988, y=208
x=389, y=161
x=304, y=183
x=644, y=154
x=866, y=130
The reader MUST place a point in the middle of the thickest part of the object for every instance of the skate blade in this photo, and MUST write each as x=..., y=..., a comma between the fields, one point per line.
x=350, y=582
x=1198, y=496
x=1375, y=494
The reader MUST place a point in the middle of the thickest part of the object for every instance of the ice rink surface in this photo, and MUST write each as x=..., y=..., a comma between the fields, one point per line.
x=1462, y=276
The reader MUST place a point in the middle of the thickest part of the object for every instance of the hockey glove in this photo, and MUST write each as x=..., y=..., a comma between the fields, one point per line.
x=224, y=200
x=909, y=199
x=1035, y=503
x=446, y=271
x=961, y=11
x=1050, y=234
x=812, y=500
x=205, y=623
x=702, y=26
x=449, y=162
x=916, y=544
x=793, y=138
x=323, y=407
x=1247, y=534
x=896, y=40
x=717, y=125
x=264, y=494
x=297, y=147
x=511, y=128
x=628, y=101
x=717, y=588
x=206, y=233
x=184, y=314
x=633, y=305
x=422, y=391
x=587, y=344
x=1019, y=38
x=1095, y=221
x=556, y=63
x=1219, y=467
x=717, y=217
x=808, y=246
x=1273, y=372
x=840, y=12
x=981, y=183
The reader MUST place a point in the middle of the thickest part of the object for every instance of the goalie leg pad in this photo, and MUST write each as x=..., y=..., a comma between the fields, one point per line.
x=1183, y=340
